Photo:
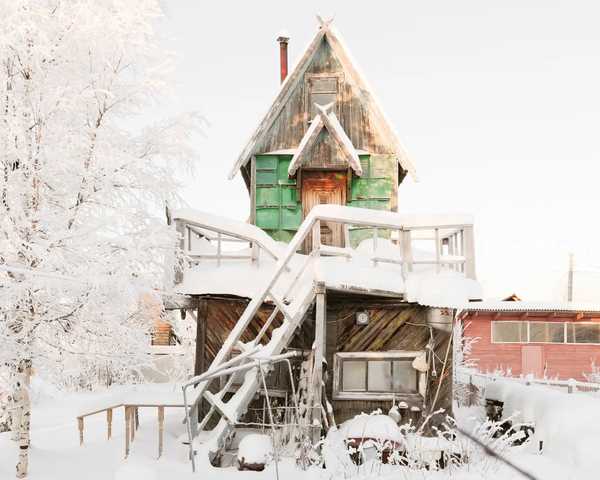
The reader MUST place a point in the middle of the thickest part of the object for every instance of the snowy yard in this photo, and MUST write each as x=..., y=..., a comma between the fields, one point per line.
x=56, y=454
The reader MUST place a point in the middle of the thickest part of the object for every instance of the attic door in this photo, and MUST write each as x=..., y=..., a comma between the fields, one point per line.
x=324, y=187
x=321, y=89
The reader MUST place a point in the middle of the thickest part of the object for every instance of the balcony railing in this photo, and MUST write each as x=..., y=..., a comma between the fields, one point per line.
x=442, y=242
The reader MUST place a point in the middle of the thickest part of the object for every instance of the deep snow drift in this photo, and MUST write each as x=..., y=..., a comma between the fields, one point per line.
x=56, y=454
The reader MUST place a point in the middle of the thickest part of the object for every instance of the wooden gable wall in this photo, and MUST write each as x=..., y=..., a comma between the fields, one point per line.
x=291, y=124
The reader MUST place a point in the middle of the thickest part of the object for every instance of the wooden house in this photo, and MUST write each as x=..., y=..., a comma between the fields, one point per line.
x=325, y=139
x=360, y=301
x=542, y=339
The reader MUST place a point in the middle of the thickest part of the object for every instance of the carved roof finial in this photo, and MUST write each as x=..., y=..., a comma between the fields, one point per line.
x=324, y=24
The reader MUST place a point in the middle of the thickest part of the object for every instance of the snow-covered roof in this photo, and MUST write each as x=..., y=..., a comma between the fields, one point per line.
x=512, y=306
x=329, y=121
x=354, y=75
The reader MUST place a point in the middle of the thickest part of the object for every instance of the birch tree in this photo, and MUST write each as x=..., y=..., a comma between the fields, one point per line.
x=83, y=182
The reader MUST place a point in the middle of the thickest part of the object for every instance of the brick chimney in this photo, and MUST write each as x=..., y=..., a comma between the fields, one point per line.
x=283, y=55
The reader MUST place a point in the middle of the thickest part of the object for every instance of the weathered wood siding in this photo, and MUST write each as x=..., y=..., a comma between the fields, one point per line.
x=351, y=108
x=392, y=326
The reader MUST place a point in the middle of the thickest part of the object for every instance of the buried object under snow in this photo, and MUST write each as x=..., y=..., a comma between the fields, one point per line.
x=254, y=452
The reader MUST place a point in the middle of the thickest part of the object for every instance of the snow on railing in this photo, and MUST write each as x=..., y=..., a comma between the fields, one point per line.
x=208, y=237
x=481, y=380
x=203, y=237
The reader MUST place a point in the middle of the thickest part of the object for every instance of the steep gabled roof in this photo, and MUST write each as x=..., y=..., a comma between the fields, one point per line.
x=353, y=75
x=326, y=119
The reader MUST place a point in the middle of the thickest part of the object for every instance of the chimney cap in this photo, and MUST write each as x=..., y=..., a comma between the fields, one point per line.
x=283, y=36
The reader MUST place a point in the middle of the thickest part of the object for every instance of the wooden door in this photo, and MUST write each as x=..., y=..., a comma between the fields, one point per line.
x=324, y=187
x=532, y=361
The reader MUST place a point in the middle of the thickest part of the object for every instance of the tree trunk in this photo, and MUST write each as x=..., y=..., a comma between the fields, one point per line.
x=20, y=421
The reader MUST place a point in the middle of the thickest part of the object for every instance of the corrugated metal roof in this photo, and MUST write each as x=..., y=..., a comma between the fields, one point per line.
x=501, y=306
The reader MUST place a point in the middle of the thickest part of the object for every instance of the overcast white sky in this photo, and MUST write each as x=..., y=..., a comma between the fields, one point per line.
x=497, y=103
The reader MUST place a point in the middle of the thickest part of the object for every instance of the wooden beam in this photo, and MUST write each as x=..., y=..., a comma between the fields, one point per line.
x=127, y=432
x=109, y=417
x=335, y=129
x=307, y=142
x=469, y=252
x=200, y=360
x=178, y=302
x=320, y=324
x=161, y=429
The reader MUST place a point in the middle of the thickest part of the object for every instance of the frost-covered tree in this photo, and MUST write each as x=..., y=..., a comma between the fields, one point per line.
x=82, y=184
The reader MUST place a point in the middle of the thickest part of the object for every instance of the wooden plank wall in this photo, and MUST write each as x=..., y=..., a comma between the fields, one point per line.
x=392, y=326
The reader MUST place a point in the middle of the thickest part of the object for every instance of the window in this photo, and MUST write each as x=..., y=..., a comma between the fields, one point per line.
x=509, y=332
x=322, y=90
x=545, y=332
x=364, y=374
x=583, y=332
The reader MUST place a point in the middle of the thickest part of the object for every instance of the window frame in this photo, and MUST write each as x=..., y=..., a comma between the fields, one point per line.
x=308, y=78
x=553, y=323
x=493, y=340
x=340, y=357
x=566, y=326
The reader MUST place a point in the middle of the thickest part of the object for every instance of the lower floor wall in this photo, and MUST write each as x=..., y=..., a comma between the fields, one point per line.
x=393, y=334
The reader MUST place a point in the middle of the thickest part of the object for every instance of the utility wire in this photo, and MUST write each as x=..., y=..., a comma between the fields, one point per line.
x=496, y=455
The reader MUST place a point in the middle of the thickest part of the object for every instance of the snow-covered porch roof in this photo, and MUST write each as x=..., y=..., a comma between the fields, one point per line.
x=326, y=119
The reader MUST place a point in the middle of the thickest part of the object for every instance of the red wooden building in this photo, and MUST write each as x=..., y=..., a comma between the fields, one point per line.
x=552, y=340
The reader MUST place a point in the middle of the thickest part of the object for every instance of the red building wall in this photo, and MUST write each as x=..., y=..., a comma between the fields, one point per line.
x=561, y=361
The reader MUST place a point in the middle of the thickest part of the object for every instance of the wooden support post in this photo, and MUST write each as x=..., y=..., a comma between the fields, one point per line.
x=127, y=433
x=219, y=253
x=132, y=422
x=180, y=228
x=469, y=245
x=80, y=427
x=406, y=251
x=437, y=250
x=316, y=238
x=200, y=362
x=137, y=418
x=347, y=236
x=375, y=236
x=109, y=417
x=161, y=429
x=320, y=323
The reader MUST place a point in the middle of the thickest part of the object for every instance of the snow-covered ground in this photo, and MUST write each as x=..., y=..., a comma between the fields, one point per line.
x=56, y=454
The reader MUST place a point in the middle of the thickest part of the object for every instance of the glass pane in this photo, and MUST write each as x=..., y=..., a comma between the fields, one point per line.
x=320, y=99
x=404, y=376
x=546, y=332
x=354, y=375
x=380, y=376
x=324, y=84
x=583, y=333
x=509, y=332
